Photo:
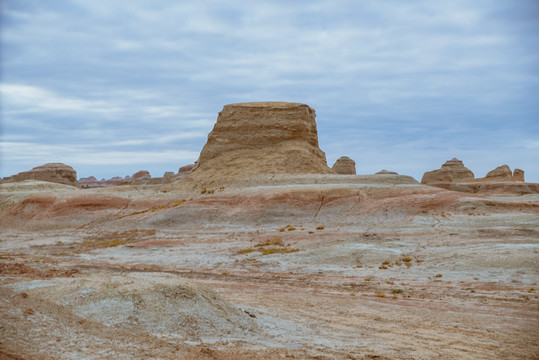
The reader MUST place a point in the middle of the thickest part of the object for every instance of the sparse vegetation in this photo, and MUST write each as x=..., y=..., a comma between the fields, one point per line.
x=246, y=251
x=368, y=279
x=269, y=251
x=291, y=228
x=397, y=291
x=271, y=242
x=438, y=275
x=381, y=295
x=407, y=259
x=264, y=250
x=531, y=290
x=319, y=228
x=178, y=203
x=114, y=239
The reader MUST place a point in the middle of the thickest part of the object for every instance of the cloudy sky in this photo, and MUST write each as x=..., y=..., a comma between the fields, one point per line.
x=113, y=87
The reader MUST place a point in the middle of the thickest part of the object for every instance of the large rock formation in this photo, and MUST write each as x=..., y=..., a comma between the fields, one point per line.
x=51, y=172
x=452, y=171
x=265, y=138
x=344, y=165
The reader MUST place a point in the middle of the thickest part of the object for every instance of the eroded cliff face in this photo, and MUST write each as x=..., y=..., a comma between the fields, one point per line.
x=263, y=138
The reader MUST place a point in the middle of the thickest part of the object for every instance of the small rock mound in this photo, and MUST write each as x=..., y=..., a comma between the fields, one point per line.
x=386, y=172
x=162, y=304
x=452, y=171
x=344, y=165
x=51, y=172
x=503, y=173
x=265, y=138
x=141, y=177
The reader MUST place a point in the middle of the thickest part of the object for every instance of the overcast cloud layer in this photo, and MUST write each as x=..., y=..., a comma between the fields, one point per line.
x=113, y=87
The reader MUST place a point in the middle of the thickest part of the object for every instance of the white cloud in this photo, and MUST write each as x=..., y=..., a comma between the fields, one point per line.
x=25, y=98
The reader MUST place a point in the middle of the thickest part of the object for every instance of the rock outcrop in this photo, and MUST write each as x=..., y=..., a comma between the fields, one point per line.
x=51, y=172
x=266, y=138
x=503, y=173
x=141, y=177
x=386, y=172
x=186, y=170
x=453, y=176
x=452, y=171
x=518, y=175
x=344, y=165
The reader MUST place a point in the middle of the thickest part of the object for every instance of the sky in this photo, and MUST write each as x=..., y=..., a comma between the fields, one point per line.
x=114, y=87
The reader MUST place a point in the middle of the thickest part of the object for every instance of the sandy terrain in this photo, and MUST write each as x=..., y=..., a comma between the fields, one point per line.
x=312, y=267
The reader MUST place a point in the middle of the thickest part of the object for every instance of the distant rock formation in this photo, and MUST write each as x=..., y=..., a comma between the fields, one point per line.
x=168, y=177
x=344, y=165
x=141, y=177
x=498, y=181
x=386, y=172
x=51, y=172
x=518, y=175
x=503, y=173
x=92, y=182
x=264, y=138
x=186, y=170
x=452, y=171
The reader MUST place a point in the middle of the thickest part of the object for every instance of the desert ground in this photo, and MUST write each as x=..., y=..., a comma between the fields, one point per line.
x=304, y=267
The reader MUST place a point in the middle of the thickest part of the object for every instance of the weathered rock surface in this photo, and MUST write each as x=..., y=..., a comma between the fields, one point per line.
x=344, y=165
x=261, y=138
x=51, y=172
x=386, y=172
x=452, y=171
x=186, y=170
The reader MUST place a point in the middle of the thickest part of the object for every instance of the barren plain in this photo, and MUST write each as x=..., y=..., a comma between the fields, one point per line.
x=295, y=267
